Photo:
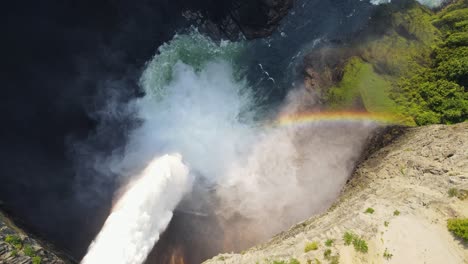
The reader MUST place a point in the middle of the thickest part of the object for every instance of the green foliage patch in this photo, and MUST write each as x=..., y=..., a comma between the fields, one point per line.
x=416, y=69
x=36, y=260
x=387, y=255
x=360, y=245
x=437, y=93
x=294, y=261
x=29, y=251
x=311, y=246
x=15, y=241
x=360, y=83
x=459, y=227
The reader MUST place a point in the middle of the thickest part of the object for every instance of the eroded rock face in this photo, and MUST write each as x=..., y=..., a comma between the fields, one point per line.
x=249, y=19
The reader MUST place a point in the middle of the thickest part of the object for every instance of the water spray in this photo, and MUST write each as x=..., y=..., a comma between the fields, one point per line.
x=141, y=214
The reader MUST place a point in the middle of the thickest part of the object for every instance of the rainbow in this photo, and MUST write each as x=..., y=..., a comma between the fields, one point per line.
x=315, y=117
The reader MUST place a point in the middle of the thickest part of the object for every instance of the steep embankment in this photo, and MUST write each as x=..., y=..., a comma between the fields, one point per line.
x=396, y=207
x=409, y=60
x=16, y=247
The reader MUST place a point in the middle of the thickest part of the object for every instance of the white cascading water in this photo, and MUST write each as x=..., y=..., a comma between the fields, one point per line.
x=141, y=214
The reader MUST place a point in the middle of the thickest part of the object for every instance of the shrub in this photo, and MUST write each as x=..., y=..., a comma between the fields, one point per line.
x=29, y=251
x=360, y=245
x=327, y=254
x=387, y=255
x=279, y=262
x=36, y=260
x=452, y=192
x=14, y=241
x=294, y=261
x=311, y=246
x=335, y=259
x=329, y=242
x=369, y=211
x=386, y=223
x=396, y=213
x=459, y=227
x=348, y=238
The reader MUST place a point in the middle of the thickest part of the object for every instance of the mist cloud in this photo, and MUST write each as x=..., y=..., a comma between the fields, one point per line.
x=252, y=171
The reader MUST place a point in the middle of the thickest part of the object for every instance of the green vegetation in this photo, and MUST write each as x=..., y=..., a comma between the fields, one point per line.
x=317, y=261
x=29, y=251
x=36, y=260
x=294, y=261
x=311, y=246
x=459, y=193
x=327, y=253
x=396, y=213
x=369, y=211
x=361, y=83
x=387, y=255
x=386, y=223
x=459, y=227
x=437, y=93
x=335, y=259
x=348, y=238
x=14, y=253
x=329, y=242
x=452, y=192
x=360, y=245
x=291, y=261
x=416, y=69
x=15, y=241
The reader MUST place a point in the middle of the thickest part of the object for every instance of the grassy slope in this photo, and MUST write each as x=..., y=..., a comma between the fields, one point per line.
x=361, y=81
x=397, y=52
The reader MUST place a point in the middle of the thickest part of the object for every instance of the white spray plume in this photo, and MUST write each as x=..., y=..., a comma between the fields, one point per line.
x=292, y=172
x=196, y=115
x=259, y=173
x=141, y=214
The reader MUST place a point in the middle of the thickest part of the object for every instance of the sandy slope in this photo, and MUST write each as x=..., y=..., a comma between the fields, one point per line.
x=412, y=175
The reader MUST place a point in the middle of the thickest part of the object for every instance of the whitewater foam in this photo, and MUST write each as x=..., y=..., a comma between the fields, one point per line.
x=428, y=3
x=141, y=214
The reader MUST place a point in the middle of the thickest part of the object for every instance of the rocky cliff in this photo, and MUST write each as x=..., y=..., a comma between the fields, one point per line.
x=16, y=247
x=242, y=19
x=393, y=210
